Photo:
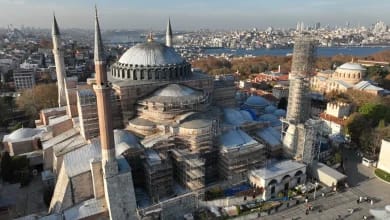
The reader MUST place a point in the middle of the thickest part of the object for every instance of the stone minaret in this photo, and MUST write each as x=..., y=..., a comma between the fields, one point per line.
x=168, y=35
x=60, y=64
x=118, y=185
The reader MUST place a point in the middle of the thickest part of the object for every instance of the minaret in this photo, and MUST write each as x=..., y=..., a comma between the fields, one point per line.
x=299, y=131
x=103, y=93
x=59, y=61
x=118, y=186
x=168, y=35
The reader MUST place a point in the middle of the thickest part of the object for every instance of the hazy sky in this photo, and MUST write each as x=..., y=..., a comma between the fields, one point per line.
x=192, y=14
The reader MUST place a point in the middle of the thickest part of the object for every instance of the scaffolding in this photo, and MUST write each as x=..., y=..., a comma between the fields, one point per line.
x=234, y=164
x=298, y=130
x=298, y=109
x=189, y=168
x=158, y=175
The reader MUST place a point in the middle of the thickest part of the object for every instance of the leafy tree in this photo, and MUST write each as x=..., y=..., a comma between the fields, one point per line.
x=41, y=96
x=356, y=124
x=6, y=167
x=376, y=73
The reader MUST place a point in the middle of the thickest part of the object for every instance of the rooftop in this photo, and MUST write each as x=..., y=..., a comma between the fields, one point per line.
x=278, y=169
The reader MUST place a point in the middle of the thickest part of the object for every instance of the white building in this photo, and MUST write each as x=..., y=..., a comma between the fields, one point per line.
x=278, y=177
x=384, y=156
x=335, y=116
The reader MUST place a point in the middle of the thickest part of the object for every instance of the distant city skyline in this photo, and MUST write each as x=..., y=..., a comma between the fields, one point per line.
x=187, y=15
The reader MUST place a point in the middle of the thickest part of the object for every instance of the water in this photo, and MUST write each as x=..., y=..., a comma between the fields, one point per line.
x=322, y=51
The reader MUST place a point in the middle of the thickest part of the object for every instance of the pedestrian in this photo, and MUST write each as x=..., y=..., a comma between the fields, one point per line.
x=306, y=200
x=357, y=201
x=372, y=202
x=323, y=194
x=307, y=211
x=364, y=217
x=360, y=199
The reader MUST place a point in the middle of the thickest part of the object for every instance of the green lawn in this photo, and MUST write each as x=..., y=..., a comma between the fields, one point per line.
x=383, y=175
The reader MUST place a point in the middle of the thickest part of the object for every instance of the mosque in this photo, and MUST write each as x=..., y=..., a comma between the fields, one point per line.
x=348, y=76
x=147, y=130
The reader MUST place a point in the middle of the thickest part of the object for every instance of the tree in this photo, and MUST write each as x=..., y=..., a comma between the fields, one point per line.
x=6, y=167
x=356, y=124
x=41, y=96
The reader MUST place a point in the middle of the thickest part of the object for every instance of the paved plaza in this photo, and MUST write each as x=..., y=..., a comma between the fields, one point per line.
x=362, y=182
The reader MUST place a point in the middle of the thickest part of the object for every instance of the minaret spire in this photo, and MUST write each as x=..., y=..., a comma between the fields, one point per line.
x=168, y=35
x=99, y=51
x=59, y=62
x=55, y=29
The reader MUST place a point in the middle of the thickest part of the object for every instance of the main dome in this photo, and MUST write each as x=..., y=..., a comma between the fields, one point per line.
x=151, y=61
x=151, y=53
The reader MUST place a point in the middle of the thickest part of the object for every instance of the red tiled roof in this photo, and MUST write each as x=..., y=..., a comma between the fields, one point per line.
x=333, y=119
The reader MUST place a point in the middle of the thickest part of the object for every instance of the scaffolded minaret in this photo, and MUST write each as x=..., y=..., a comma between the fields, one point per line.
x=59, y=62
x=299, y=131
x=118, y=184
x=168, y=34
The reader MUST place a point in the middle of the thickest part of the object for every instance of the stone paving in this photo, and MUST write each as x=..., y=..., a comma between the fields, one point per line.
x=363, y=184
x=27, y=199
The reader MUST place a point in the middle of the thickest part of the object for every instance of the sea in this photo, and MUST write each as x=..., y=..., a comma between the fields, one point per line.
x=321, y=51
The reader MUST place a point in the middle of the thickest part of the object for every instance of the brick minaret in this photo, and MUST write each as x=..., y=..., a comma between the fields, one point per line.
x=118, y=184
x=103, y=92
x=58, y=52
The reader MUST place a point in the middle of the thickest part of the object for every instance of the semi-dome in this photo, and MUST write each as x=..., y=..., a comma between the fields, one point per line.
x=256, y=101
x=176, y=90
x=151, y=53
x=177, y=96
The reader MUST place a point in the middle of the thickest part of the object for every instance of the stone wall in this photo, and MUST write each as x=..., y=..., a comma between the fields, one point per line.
x=61, y=198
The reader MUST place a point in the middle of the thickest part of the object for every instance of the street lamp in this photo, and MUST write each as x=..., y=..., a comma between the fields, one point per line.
x=315, y=189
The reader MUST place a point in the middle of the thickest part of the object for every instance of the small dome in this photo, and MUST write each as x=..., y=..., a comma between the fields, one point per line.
x=270, y=118
x=256, y=101
x=352, y=66
x=270, y=109
x=151, y=53
x=237, y=117
x=280, y=113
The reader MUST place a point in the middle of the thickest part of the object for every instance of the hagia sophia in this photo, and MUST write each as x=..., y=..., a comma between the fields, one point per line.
x=146, y=135
x=145, y=130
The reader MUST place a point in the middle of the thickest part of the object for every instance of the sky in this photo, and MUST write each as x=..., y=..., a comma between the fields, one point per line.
x=192, y=14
